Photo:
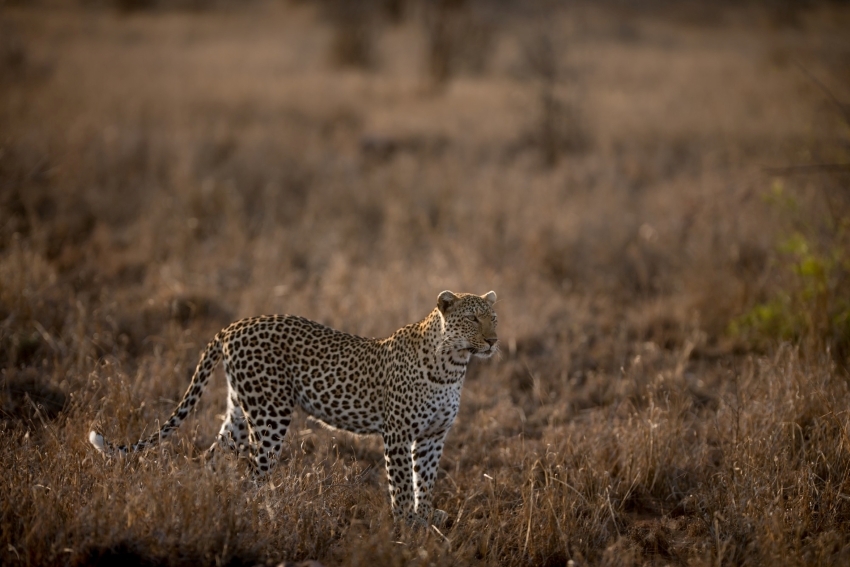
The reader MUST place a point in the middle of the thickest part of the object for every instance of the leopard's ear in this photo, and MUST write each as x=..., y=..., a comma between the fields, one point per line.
x=490, y=296
x=445, y=301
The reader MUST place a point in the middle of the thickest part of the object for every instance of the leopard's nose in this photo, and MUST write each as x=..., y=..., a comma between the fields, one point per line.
x=492, y=341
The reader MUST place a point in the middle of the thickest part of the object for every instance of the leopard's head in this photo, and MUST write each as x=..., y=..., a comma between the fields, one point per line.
x=469, y=322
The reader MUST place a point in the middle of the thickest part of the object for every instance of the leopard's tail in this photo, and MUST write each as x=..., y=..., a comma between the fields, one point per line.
x=209, y=359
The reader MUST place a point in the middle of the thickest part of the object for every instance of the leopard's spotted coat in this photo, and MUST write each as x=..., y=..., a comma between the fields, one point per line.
x=406, y=388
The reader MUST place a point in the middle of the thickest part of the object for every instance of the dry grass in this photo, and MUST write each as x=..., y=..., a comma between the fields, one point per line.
x=163, y=172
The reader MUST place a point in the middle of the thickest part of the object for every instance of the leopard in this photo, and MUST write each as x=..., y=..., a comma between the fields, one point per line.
x=405, y=388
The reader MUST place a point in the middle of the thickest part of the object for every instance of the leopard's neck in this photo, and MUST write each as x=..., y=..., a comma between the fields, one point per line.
x=449, y=365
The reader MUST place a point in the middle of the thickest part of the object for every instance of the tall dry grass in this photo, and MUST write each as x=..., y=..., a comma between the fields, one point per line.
x=166, y=171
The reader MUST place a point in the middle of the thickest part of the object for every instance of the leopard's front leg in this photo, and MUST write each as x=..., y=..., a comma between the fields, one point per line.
x=397, y=452
x=426, y=458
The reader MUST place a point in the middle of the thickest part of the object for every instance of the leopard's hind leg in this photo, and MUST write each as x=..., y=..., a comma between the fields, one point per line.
x=267, y=411
x=233, y=434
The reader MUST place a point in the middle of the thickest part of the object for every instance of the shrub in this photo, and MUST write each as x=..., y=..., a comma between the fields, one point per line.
x=812, y=301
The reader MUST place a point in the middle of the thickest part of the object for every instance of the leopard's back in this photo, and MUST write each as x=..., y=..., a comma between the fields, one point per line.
x=335, y=377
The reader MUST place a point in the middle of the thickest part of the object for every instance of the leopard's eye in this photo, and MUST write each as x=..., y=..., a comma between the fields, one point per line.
x=472, y=318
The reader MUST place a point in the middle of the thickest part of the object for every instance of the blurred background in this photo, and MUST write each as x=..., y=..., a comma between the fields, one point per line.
x=657, y=191
x=607, y=168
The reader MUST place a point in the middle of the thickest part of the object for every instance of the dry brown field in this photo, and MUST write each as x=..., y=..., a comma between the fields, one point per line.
x=658, y=193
